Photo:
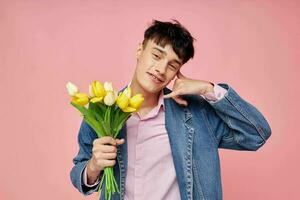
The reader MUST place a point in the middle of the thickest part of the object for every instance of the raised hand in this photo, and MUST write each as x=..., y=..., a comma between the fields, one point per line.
x=184, y=85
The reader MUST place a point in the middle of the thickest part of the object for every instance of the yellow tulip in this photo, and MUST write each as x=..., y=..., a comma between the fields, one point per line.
x=96, y=99
x=136, y=101
x=96, y=91
x=127, y=92
x=80, y=99
x=128, y=103
x=123, y=100
x=129, y=109
x=72, y=89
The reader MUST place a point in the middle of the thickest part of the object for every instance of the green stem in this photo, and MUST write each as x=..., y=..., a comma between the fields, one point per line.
x=111, y=185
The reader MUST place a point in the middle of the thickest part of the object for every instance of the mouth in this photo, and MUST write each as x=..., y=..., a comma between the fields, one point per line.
x=155, y=78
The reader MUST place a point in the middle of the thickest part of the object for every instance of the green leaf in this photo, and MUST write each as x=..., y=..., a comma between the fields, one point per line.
x=96, y=109
x=121, y=124
x=115, y=118
x=89, y=117
x=102, y=107
x=106, y=130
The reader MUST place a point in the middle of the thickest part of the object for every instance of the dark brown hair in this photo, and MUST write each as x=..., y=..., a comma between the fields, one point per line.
x=172, y=33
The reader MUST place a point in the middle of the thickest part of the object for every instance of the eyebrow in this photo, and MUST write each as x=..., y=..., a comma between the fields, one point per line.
x=163, y=52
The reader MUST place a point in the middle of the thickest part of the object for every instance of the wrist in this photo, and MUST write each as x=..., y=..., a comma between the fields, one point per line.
x=92, y=174
x=210, y=87
x=91, y=167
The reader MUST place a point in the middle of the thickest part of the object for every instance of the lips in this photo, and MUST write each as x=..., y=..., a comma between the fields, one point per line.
x=155, y=77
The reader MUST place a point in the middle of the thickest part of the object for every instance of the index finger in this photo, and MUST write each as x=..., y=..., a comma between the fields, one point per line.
x=172, y=94
x=106, y=140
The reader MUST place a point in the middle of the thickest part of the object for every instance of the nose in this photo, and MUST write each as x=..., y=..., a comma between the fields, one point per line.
x=161, y=67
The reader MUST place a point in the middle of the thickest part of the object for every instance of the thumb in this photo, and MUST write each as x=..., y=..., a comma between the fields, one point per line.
x=120, y=141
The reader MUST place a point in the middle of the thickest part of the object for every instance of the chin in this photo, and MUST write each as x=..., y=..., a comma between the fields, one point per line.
x=151, y=88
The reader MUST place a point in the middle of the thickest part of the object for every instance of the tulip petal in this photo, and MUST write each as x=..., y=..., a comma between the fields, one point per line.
x=136, y=101
x=72, y=89
x=122, y=100
x=109, y=98
x=91, y=92
x=98, y=89
x=108, y=86
x=80, y=99
x=129, y=109
x=127, y=92
x=96, y=99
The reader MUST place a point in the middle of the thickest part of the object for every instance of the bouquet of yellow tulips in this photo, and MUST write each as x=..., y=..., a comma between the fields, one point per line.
x=106, y=112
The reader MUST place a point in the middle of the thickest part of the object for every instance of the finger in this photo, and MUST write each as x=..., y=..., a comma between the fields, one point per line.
x=109, y=163
x=180, y=101
x=105, y=149
x=173, y=94
x=120, y=141
x=109, y=155
x=105, y=140
x=180, y=75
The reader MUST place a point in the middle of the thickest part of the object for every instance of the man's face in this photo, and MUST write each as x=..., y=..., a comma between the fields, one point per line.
x=156, y=61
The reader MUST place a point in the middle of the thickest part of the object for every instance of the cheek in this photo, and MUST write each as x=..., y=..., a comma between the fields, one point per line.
x=171, y=75
x=145, y=63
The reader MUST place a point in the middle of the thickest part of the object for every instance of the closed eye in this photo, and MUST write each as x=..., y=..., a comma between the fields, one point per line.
x=173, y=67
x=156, y=56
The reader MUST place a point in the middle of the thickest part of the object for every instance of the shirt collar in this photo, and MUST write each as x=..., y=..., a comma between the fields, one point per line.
x=161, y=100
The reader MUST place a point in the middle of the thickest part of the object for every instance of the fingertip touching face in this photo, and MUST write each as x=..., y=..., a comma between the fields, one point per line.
x=156, y=66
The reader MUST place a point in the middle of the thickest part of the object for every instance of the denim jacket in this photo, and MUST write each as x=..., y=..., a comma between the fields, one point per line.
x=195, y=134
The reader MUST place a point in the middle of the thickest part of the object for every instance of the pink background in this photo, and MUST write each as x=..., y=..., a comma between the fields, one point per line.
x=251, y=45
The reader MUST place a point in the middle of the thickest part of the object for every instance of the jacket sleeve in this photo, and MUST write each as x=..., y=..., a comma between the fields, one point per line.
x=86, y=137
x=235, y=123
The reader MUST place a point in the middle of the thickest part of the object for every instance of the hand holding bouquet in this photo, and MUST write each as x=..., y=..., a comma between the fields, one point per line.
x=106, y=112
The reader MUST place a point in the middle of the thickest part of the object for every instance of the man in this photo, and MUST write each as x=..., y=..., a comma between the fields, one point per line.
x=169, y=149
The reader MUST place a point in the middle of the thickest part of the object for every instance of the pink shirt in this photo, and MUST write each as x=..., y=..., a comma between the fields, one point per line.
x=150, y=172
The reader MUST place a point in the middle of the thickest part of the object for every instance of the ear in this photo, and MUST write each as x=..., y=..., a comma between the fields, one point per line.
x=139, y=50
